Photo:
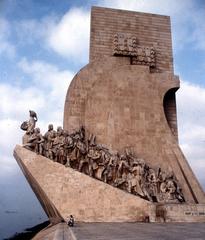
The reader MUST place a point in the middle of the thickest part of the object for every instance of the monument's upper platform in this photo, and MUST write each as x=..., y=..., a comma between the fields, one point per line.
x=142, y=38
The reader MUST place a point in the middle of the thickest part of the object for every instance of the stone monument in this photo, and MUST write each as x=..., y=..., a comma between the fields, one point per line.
x=117, y=157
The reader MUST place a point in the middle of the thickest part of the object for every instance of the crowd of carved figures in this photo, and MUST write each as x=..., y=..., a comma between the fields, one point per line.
x=124, y=171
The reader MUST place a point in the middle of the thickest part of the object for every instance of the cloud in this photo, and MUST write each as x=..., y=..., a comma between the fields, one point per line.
x=157, y=6
x=52, y=81
x=6, y=47
x=10, y=135
x=186, y=18
x=15, y=103
x=45, y=95
x=191, y=118
x=70, y=36
x=15, y=99
x=67, y=35
x=191, y=98
x=198, y=35
x=34, y=31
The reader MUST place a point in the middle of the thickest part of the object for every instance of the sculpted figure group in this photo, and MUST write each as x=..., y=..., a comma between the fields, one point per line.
x=82, y=153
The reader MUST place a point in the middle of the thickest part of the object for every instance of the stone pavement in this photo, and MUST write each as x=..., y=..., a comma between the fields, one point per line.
x=124, y=231
x=60, y=231
x=139, y=231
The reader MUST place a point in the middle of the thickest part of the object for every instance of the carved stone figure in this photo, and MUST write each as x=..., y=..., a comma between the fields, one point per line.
x=49, y=139
x=68, y=149
x=152, y=184
x=110, y=173
x=92, y=155
x=29, y=126
x=124, y=171
x=32, y=122
x=58, y=146
x=80, y=154
x=35, y=141
x=135, y=182
x=170, y=189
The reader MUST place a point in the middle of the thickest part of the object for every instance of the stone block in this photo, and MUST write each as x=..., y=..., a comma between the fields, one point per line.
x=72, y=192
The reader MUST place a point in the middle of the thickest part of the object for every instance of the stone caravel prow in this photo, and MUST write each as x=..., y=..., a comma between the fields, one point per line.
x=125, y=97
x=67, y=192
x=63, y=191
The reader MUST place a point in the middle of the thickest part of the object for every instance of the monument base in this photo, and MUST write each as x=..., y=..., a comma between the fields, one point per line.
x=63, y=191
x=180, y=213
x=74, y=193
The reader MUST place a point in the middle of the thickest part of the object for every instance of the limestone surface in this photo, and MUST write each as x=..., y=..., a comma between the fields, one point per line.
x=74, y=193
x=127, y=102
x=125, y=97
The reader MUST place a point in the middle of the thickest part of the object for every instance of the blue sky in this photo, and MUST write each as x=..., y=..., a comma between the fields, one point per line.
x=43, y=43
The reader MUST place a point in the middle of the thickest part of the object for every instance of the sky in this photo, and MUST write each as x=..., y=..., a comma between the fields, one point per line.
x=44, y=43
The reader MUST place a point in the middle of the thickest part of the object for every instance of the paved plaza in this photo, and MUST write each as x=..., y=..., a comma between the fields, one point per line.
x=139, y=231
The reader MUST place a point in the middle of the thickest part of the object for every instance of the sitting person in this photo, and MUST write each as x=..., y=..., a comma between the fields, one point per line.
x=71, y=221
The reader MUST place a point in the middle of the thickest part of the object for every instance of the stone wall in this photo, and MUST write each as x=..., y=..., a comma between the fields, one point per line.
x=150, y=29
x=180, y=213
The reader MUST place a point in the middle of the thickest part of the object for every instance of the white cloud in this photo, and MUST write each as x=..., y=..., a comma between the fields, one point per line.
x=6, y=47
x=15, y=100
x=198, y=37
x=15, y=103
x=186, y=18
x=10, y=135
x=70, y=36
x=156, y=6
x=192, y=99
x=53, y=84
x=46, y=97
x=191, y=119
x=32, y=31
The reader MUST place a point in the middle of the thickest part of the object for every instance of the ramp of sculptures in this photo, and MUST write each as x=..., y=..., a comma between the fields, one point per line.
x=74, y=193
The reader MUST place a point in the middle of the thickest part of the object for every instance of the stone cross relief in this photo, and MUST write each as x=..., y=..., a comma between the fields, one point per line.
x=81, y=152
x=127, y=45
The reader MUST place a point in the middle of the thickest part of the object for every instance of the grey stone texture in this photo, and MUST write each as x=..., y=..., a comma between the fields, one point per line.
x=140, y=231
x=59, y=231
x=124, y=231
x=150, y=29
x=63, y=192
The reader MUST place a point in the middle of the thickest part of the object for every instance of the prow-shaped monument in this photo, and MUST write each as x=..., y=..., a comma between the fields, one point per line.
x=117, y=157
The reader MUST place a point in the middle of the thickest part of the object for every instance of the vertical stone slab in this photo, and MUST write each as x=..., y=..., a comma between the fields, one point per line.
x=151, y=30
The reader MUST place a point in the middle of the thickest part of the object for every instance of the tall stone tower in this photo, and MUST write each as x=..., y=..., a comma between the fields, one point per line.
x=126, y=94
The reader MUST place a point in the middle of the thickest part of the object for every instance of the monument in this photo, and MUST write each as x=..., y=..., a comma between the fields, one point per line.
x=117, y=157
